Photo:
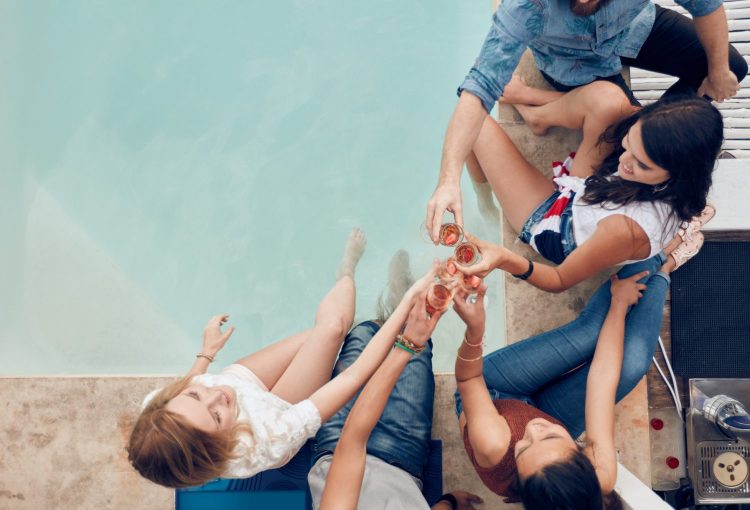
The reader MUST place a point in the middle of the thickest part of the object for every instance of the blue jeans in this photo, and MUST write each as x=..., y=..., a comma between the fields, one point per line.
x=402, y=435
x=549, y=370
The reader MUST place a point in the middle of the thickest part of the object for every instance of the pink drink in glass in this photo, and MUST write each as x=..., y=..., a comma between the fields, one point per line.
x=467, y=254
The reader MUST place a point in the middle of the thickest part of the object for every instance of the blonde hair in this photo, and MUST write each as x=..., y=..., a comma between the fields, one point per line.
x=165, y=448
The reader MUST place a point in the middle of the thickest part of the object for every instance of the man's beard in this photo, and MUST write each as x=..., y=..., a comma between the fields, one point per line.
x=586, y=9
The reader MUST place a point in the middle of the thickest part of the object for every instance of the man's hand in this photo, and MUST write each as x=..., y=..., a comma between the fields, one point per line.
x=447, y=197
x=720, y=85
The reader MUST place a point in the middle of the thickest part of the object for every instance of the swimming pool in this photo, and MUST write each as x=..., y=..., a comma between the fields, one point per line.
x=166, y=161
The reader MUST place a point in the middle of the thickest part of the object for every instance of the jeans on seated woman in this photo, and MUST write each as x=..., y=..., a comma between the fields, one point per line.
x=549, y=370
x=402, y=435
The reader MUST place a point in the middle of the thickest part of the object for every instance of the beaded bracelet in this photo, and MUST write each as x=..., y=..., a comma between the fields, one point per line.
x=403, y=347
x=403, y=341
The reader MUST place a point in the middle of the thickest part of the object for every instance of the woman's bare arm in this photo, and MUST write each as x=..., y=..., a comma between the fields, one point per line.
x=339, y=390
x=617, y=238
x=348, y=467
x=603, y=378
x=489, y=433
x=213, y=340
x=345, y=476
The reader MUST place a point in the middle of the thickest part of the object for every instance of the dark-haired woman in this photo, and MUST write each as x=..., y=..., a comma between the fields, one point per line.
x=626, y=208
x=521, y=407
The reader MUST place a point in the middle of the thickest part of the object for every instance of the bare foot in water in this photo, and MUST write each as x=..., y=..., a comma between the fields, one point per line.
x=531, y=118
x=399, y=281
x=355, y=247
x=516, y=91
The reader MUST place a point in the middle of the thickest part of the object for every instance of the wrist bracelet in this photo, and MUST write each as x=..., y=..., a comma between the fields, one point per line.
x=207, y=356
x=450, y=498
x=403, y=347
x=469, y=359
x=403, y=341
x=480, y=344
x=527, y=273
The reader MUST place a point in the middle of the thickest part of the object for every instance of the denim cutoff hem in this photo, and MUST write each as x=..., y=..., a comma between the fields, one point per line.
x=554, y=254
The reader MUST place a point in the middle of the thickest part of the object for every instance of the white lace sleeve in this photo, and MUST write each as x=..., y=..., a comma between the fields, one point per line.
x=277, y=440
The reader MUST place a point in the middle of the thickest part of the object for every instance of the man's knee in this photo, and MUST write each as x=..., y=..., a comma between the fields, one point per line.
x=608, y=101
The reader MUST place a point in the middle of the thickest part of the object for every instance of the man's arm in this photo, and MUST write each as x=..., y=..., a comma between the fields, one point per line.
x=463, y=130
x=514, y=25
x=713, y=32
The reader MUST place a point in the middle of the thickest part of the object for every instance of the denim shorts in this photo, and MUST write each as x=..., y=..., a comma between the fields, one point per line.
x=553, y=248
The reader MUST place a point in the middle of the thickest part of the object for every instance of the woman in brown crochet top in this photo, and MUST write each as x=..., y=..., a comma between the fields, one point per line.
x=521, y=407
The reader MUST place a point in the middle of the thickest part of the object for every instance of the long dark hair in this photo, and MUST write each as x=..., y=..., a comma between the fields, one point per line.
x=683, y=135
x=567, y=485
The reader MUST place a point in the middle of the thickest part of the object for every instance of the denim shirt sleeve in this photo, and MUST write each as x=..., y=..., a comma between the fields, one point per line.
x=699, y=8
x=514, y=25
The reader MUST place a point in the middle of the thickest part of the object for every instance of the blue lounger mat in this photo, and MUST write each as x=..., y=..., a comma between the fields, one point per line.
x=286, y=488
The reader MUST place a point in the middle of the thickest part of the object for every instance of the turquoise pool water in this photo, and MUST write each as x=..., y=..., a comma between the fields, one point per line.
x=165, y=161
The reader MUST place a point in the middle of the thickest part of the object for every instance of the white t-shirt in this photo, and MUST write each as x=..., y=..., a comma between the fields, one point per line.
x=279, y=429
x=655, y=218
x=384, y=487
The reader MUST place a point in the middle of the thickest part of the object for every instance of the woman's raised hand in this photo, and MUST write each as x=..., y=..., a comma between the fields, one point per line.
x=420, y=324
x=420, y=286
x=471, y=310
x=493, y=257
x=627, y=291
x=213, y=337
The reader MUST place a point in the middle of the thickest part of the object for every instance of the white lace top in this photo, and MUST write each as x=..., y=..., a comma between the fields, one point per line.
x=279, y=429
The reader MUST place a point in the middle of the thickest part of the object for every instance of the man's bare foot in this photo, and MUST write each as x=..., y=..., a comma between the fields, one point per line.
x=530, y=116
x=355, y=247
x=400, y=280
x=516, y=91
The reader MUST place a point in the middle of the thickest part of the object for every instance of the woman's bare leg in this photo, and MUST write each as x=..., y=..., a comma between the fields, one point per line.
x=312, y=366
x=518, y=92
x=593, y=108
x=270, y=362
x=518, y=186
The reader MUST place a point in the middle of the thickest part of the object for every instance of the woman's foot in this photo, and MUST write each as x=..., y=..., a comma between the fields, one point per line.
x=516, y=91
x=684, y=252
x=355, y=247
x=689, y=229
x=400, y=280
x=532, y=119
x=486, y=202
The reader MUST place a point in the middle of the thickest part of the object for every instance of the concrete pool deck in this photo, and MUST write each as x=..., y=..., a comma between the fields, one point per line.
x=64, y=443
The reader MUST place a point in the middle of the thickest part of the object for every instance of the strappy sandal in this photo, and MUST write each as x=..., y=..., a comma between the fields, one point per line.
x=689, y=228
x=687, y=250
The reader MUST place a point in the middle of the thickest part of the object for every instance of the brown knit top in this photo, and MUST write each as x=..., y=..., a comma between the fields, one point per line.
x=499, y=478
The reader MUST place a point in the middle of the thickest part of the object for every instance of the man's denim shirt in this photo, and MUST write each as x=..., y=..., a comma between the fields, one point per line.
x=571, y=49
